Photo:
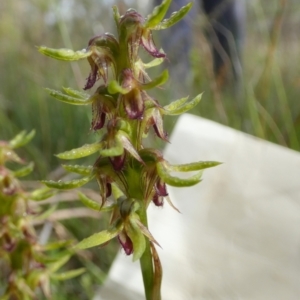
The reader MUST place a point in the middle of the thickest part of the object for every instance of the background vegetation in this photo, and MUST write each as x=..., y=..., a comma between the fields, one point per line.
x=270, y=106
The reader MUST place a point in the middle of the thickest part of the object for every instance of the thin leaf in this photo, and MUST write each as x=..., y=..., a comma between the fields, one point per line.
x=98, y=239
x=184, y=108
x=176, y=181
x=114, y=87
x=24, y=171
x=157, y=15
x=155, y=62
x=196, y=166
x=83, y=151
x=42, y=194
x=76, y=94
x=171, y=204
x=93, y=204
x=56, y=245
x=176, y=104
x=175, y=17
x=116, y=15
x=78, y=169
x=67, y=185
x=58, y=264
x=64, y=54
x=67, y=275
x=21, y=139
x=69, y=99
x=160, y=80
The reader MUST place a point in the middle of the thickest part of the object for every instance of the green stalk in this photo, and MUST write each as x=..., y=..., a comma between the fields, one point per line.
x=146, y=261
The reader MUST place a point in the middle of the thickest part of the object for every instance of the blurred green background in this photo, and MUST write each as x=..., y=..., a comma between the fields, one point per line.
x=270, y=106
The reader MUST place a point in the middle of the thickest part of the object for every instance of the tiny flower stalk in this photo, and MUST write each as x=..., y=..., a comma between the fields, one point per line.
x=123, y=113
x=26, y=265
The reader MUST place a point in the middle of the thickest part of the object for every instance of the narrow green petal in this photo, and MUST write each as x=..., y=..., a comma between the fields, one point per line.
x=116, y=15
x=116, y=191
x=176, y=181
x=114, y=87
x=184, y=108
x=98, y=239
x=137, y=238
x=83, y=151
x=155, y=62
x=176, y=104
x=196, y=166
x=113, y=151
x=157, y=15
x=67, y=185
x=69, y=99
x=56, y=245
x=160, y=80
x=78, y=169
x=64, y=54
x=175, y=17
x=88, y=202
x=58, y=264
x=46, y=214
x=67, y=275
x=76, y=94
x=21, y=139
x=25, y=170
x=42, y=194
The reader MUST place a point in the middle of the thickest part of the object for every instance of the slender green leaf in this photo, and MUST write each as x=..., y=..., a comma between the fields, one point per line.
x=114, y=87
x=46, y=214
x=116, y=15
x=67, y=185
x=78, y=169
x=67, y=275
x=117, y=193
x=145, y=231
x=58, y=264
x=176, y=104
x=184, y=108
x=113, y=151
x=42, y=194
x=69, y=99
x=155, y=62
x=160, y=80
x=21, y=139
x=64, y=54
x=83, y=151
x=76, y=94
x=57, y=245
x=98, y=239
x=93, y=204
x=175, y=17
x=196, y=166
x=157, y=15
x=176, y=181
x=25, y=170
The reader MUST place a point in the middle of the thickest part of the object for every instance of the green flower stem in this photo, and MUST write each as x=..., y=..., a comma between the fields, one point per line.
x=146, y=261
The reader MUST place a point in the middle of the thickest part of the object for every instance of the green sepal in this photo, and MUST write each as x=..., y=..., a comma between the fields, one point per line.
x=116, y=191
x=93, y=204
x=113, y=151
x=67, y=185
x=21, y=139
x=76, y=94
x=175, y=17
x=164, y=174
x=176, y=104
x=78, y=169
x=64, y=54
x=56, y=245
x=24, y=171
x=196, y=166
x=176, y=109
x=74, y=100
x=153, y=63
x=157, y=15
x=67, y=275
x=98, y=239
x=85, y=150
x=137, y=238
x=42, y=194
x=114, y=87
x=160, y=80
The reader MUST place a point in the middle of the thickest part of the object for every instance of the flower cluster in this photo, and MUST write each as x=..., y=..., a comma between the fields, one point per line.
x=123, y=113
